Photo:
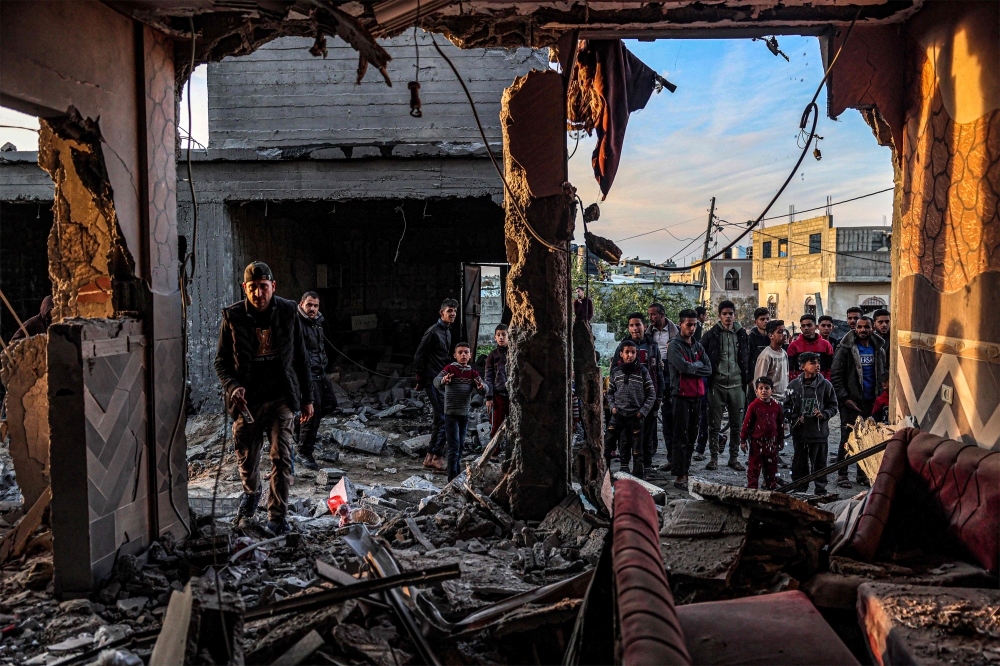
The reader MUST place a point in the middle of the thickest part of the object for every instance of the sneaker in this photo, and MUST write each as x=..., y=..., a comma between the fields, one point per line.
x=737, y=465
x=248, y=505
x=698, y=456
x=712, y=464
x=307, y=461
x=278, y=527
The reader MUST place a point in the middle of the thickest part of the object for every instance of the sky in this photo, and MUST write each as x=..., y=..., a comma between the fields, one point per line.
x=729, y=131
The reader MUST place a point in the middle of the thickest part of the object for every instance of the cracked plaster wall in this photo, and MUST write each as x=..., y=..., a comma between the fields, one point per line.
x=24, y=374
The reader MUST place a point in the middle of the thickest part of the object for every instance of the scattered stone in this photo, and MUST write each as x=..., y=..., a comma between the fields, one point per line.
x=416, y=446
x=82, y=641
x=38, y=576
x=358, y=440
x=132, y=605
x=659, y=494
x=568, y=518
x=389, y=470
x=419, y=483
x=326, y=477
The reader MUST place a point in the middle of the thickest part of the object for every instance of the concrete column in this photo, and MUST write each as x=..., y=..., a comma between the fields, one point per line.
x=532, y=115
x=947, y=327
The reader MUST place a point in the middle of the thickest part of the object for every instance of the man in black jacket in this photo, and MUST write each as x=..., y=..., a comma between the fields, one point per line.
x=859, y=369
x=648, y=355
x=261, y=362
x=727, y=347
x=758, y=341
x=324, y=399
x=433, y=353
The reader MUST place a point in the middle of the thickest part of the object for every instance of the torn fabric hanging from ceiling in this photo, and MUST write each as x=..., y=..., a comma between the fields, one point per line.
x=607, y=84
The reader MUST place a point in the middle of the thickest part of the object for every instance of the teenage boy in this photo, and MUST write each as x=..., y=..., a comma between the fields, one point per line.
x=497, y=400
x=433, y=354
x=632, y=397
x=853, y=315
x=881, y=318
x=825, y=326
x=662, y=331
x=458, y=382
x=773, y=360
x=261, y=362
x=324, y=399
x=727, y=346
x=648, y=355
x=859, y=369
x=689, y=365
x=583, y=307
x=702, y=312
x=810, y=403
x=759, y=341
x=809, y=341
x=761, y=436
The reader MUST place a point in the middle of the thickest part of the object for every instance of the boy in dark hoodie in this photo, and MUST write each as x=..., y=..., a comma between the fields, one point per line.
x=632, y=396
x=810, y=403
x=497, y=400
x=459, y=382
x=648, y=356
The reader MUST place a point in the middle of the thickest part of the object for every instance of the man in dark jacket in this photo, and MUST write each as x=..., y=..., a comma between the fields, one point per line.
x=859, y=369
x=758, y=340
x=324, y=399
x=689, y=365
x=648, y=355
x=261, y=362
x=433, y=354
x=39, y=323
x=727, y=346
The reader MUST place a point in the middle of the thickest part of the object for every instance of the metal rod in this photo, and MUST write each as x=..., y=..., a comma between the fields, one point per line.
x=16, y=318
x=846, y=462
x=322, y=599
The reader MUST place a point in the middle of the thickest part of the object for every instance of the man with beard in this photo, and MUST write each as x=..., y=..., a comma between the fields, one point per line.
x=859, y=369
x=324, y=400
x=809, y=341
x=881, y=319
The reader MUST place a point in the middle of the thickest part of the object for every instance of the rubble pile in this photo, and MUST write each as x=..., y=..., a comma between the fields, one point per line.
x=736, y=542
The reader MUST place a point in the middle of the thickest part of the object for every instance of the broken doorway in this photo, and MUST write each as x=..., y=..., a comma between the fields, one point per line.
x=483, y=304
x=24, y=260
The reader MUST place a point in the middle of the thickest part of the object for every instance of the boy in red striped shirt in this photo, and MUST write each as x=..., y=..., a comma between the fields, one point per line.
x=459, y=382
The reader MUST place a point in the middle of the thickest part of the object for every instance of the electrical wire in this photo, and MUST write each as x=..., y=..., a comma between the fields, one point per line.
x=811, y=110
x=836, y=252
x=835, y=203
x=30, y=129
x=669, y=226
x=486, y=143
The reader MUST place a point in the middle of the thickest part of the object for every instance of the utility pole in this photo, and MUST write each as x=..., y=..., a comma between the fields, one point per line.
x=704, y=254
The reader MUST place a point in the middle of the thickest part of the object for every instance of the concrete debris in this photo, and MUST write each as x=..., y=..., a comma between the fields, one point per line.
x=659, y=494
x=356, y=440
x=416, y=446
x=328, y=476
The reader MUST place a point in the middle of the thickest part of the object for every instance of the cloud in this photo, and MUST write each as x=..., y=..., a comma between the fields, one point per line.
x=730, y=132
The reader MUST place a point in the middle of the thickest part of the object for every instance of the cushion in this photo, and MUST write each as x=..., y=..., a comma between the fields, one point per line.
x=770, y=630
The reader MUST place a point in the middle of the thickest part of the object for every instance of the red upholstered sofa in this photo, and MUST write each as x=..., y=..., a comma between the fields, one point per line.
x=934, y=493
x=782, y=629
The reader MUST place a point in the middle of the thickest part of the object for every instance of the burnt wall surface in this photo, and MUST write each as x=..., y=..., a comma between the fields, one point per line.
x=281, y=96
x=24, y=260
x=340, y=212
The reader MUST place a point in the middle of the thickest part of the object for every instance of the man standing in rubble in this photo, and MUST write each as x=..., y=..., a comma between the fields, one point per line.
x=859, y=370
x=689, y=365
x=727, y=347
x=661, y=331
x=648, y=355
x=261, y=362
x=433, y=354
x=324, y=399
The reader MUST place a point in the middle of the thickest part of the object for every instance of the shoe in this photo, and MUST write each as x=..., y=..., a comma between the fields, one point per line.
x=712, y=464
x=637, y=470
x=666, y=467
x=699, y=457
x=681, y=483
x=843, y=482
x=737, y=465
x=278, y=527
x=248, y=505
x=864, y=482
x=307, y=461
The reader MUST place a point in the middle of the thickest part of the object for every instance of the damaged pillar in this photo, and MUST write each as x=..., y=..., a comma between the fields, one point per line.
x=533, y=119
x=931, y=90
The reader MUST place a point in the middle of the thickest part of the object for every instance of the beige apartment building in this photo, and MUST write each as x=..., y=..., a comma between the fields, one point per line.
x=811, y=266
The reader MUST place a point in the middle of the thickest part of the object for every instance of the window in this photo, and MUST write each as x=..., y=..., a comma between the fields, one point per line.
x=772, y=306
x=782, y=247
x=871, y=304
x=815, y=243
x=878, y=242
x=766, y=251
x=732, y=280
x=810, y=305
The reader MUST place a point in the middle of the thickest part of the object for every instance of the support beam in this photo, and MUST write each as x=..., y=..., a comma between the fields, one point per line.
x=533, y=119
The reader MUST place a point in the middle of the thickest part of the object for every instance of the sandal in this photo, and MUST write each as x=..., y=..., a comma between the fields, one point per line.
x=681, y=485
x=844, y=483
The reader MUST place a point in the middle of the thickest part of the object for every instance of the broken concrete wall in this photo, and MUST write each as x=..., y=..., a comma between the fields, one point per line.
x=24, y=375
x=280, y=96
x=538, y=292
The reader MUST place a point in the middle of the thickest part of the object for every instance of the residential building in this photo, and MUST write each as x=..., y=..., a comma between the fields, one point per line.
x=812, y=267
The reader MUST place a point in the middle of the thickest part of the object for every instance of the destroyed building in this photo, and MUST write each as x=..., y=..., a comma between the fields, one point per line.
x=103, y=393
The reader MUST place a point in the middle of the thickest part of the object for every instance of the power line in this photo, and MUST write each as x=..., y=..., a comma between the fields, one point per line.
x=809, y=210
x=837, y=252
x=669, y=226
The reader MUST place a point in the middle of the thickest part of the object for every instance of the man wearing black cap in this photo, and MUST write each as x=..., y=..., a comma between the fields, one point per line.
x=261, y=361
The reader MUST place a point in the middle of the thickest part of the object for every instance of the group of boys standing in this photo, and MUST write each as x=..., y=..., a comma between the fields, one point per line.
x=757, y=377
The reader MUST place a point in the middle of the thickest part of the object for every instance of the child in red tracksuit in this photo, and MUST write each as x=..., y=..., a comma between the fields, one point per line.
x=762, y=435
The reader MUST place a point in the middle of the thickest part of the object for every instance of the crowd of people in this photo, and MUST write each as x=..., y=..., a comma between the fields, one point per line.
x=272, y=363
x=692, y=375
